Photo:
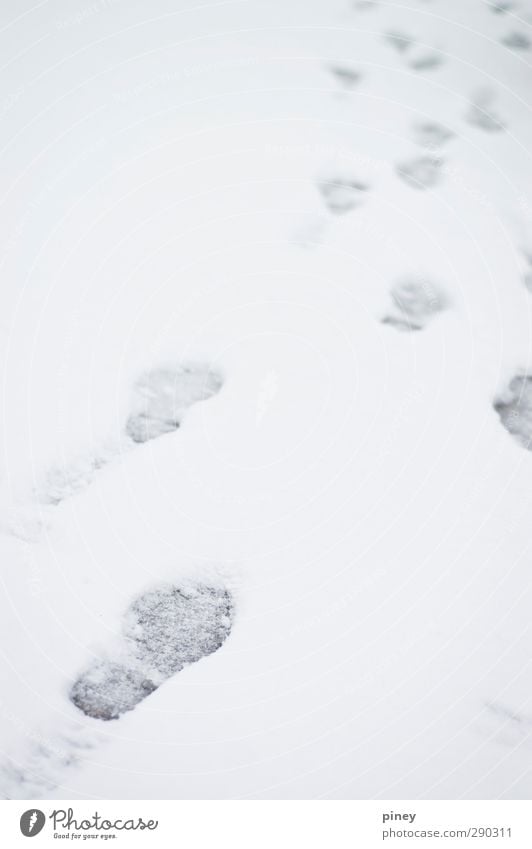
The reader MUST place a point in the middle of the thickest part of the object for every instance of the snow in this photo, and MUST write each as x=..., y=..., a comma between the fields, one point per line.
x=225, y=184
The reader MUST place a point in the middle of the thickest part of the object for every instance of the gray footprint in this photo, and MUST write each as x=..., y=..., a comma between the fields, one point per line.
x=400, y=41
x=162, y=396
x=515, y=409
x=164, y=630
x=342, y=194
x=159, y=401
x=431, y=134
x=347, y=76
x=482, y=114
x=422, y=172
x=427, y=61
x=501, y=7
x=415, y=301
x=516, y=40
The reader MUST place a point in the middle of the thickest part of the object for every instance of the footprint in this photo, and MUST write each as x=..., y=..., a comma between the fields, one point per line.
x=165, y=629
x=515, y=409
x=48, y=753
x=422, y=172
x=341, y=194
x=348, y=77
x=501, y=7
x=160, y=399
x=61, y=482
x=482, y=114
x=431, y=134
x=427, y=61
x=415, y=301
x=162, y=396
x=516, y=41
x=399, y=40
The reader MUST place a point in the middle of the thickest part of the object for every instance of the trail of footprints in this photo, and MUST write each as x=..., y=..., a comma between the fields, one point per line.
x=418, y=57
x=171, y=626
x=165, y=629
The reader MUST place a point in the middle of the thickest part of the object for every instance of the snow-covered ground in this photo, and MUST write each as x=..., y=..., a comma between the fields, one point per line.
x=324, y=206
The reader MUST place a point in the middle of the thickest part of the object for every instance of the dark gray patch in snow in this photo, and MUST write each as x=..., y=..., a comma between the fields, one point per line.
x=481, y=113
x=346, y=76
x=502, y=7
x=415, y=301
x=164, y=630
x=399, y=40
x=422, y=172
x=515, y=409
x=431, y=134
x=427, y=62
x=516, y=40
x=342, y=194
x=162, y=396
x=107, y=689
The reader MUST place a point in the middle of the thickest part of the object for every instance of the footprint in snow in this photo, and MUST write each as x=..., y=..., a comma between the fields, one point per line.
x=431, y=134
x=347, y=76
x=516, y=41
x=415, y=302
x=159, y=401
x=400, y=41
x=502, y=7
x=482, y=114
x=164, y=630
x=421, y=172
x=48, y=753
x=61, y=482
x=342, y=194
x=162, y=396
x=427, y=61
x=514, y=407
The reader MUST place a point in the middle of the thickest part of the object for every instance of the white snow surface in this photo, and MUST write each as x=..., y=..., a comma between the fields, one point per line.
x=162, y=171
